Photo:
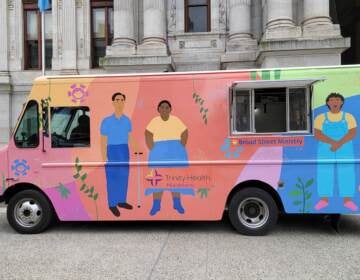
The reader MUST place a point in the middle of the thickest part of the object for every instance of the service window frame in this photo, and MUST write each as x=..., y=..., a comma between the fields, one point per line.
x=288, y=85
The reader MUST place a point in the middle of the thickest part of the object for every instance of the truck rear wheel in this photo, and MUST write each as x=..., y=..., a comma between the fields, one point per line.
x=29, y=212
x=253, y=211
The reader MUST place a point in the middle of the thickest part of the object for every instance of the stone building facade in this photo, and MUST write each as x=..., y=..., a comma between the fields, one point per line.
x=151, y=36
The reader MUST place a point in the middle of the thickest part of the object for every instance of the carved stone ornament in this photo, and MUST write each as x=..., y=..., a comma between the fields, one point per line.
x=11, y=4
x=172, y=16
x=222, y=14
x=79, y=3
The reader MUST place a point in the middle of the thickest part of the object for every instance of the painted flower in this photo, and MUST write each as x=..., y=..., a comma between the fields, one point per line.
x=20, y=167
x=230, y=149
x=78, y=93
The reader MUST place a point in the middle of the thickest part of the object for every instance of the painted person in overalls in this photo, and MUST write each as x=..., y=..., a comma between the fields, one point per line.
x=115, y=136
x=335, y=131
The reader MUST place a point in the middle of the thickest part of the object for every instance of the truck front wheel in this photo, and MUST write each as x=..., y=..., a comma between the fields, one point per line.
x=29, y=212
x=253, y=211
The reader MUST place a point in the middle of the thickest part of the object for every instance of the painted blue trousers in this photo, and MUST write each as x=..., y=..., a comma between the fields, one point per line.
x=117, y=173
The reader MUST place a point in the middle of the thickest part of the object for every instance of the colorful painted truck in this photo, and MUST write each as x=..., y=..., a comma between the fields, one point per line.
x=185, y=146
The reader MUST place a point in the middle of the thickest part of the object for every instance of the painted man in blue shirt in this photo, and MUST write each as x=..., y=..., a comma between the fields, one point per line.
x=115, y=137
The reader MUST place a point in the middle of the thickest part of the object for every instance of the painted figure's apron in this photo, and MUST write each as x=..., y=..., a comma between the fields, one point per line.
x=328, y=170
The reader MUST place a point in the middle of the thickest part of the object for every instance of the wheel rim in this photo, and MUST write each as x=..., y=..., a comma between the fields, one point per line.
x=28, y=212
x=253, y=212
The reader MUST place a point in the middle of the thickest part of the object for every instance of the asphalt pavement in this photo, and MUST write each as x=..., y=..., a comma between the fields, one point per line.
x=300, y=247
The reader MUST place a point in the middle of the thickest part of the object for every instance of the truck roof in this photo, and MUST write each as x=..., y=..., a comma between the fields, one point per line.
x=44, y=78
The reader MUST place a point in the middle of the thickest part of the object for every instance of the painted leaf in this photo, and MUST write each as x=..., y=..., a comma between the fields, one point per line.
x=91, y=190
x=95, y=197
x=308, y=206
x=308, y=196
x=295, y=193
x=83, y=187
x=65, y=193
x=309, y=183
x=298, y=186
x=3, y=182
x=76, y=176
x=77, y=160
x=90, y=195
x=203, y=192
x=299, y=180
x=78, y=168
x=86, y=191
x=297, y=202
x=83, y=177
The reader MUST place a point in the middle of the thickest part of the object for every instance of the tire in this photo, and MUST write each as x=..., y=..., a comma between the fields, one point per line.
x=29, y=212
x=253, y=211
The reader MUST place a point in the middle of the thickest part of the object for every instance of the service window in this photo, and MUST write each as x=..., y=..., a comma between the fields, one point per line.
x=70, y=127
x=27, y=133
x=270, y=109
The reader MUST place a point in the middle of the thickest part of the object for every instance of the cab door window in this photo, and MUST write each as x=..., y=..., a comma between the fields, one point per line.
x=27, y=133
x=70, y=127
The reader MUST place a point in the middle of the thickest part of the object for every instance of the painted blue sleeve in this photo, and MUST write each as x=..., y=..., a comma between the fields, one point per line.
x=104, y=129
x=130, y=126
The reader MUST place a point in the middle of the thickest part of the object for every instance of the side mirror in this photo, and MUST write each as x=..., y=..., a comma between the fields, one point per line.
x=45, y=120
x=45, y=116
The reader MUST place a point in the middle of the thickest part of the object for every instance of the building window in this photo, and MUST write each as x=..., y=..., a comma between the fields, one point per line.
x=70, y=127
x=270, y=110
x=102, y=29
x=197, y=16
x=32, y=36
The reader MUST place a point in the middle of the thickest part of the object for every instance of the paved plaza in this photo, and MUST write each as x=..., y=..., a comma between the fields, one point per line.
x=300, y=247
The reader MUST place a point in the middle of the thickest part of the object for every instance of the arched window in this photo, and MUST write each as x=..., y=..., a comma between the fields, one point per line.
x=197, y=16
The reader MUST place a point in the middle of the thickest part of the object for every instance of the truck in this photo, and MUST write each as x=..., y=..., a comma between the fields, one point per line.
x=190, y=146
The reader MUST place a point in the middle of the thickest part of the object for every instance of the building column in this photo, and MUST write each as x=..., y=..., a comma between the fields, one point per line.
x=279, y=20
x=241, y=47
x=154, y=41
x=316, y=12
x=317, y=19
x=124, y=43
x=68, y=63
x=240, y=36
x=4, y=75
x=152, y=54
x=4, y=60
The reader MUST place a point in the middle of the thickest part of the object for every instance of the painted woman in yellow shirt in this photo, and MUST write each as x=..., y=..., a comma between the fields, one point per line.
x=166, y=137
x=335, y=131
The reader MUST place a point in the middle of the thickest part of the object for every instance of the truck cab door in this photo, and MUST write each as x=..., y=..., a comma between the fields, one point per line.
x=25, y=148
